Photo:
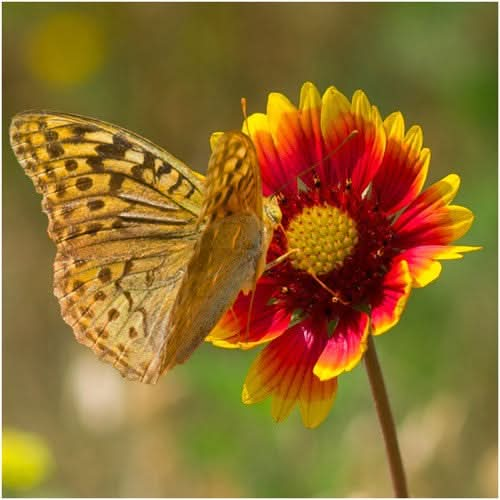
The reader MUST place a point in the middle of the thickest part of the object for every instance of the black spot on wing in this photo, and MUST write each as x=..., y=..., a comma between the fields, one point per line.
x=71, y=165
x=84, y=183
x=238, y=164
x=54, y=149
x=191, y=191
x=176, y=185
x=95, y=163
x=149, y=160
x=116, y=181
x=165, y=168
x=116, y=150
x=228, y=194
x=84, y=128
x=137, y=171
x=51, y=135
x=95, y=204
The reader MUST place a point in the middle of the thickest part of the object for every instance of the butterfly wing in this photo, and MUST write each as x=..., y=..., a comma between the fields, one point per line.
x=226, y=257
x=233, y=183
x=124, y=216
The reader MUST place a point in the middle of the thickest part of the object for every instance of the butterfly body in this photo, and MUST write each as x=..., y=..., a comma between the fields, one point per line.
x=149, y=256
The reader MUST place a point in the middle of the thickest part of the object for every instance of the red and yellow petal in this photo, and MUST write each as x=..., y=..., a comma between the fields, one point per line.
x=310, y=121
x=288, y=140
x=287, y=133
x=422, y=264
x=404, y=167
x=388, y=306
x=284, y=371
x=345, y=347
x=268, y=320
x=273, y=173
x=316, y=399
x=444, y=226
x=437, y=196
x=352, y=157
x=430, y=220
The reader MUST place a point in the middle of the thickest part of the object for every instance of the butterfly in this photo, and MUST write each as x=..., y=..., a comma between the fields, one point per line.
x=150, y=254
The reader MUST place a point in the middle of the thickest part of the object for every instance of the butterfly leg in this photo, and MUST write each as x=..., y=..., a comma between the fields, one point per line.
x=280, y=259
x=250, y=310
x=335, y=295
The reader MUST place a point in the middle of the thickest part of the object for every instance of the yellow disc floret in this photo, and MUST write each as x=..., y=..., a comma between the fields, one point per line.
x=321, y=237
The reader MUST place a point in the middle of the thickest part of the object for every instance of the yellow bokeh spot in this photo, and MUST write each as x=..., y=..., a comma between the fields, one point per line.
x=26, y=460
x=65, y=49
x=322, y=237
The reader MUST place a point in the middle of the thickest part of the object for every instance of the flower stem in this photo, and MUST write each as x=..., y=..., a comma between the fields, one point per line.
x=386, y=420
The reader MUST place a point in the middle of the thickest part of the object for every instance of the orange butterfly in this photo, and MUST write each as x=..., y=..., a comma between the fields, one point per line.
x=149, y=253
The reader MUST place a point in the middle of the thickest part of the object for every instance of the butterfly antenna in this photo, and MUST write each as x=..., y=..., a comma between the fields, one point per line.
x=244, y=111
x=353, y=134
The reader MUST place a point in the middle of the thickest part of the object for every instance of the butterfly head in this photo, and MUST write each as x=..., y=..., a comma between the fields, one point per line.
x=272, y=212
x=272, y=217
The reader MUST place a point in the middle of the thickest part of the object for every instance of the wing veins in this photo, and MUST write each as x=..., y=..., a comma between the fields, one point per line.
x=111, y=172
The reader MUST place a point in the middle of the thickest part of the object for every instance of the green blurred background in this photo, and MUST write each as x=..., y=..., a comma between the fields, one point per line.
x=174, y=73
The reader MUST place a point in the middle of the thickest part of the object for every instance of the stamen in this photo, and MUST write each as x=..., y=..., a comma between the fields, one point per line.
x=322, y=236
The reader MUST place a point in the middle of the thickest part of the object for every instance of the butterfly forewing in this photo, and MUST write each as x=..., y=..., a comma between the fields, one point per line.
x=124, y=216
x=226, y=257
x=233, y=182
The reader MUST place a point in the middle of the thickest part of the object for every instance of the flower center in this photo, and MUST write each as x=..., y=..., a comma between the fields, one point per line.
x=323, y=236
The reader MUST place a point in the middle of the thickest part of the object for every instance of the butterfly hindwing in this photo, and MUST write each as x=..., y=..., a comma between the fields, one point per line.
x=227, y=255
x=124, y=216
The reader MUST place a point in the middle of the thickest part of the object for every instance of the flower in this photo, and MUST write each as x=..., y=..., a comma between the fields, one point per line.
x=358, y=233
x=26, y=461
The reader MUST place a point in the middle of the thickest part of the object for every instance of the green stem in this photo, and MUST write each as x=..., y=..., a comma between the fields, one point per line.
x=386, y=420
